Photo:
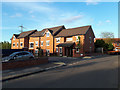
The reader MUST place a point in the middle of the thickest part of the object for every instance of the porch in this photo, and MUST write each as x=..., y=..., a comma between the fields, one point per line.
x=68, y=49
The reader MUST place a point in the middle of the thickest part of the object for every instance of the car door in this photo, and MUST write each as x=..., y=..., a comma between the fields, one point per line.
x=18, y=56
x=26, y=55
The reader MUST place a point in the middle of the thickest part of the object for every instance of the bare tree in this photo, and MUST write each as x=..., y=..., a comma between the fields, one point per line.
x=108, y=37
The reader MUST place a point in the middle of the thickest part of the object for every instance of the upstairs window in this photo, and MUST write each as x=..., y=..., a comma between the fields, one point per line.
x=47, y=34
x=36, y=43
x=47, y=43
x=21, y=44
x=90, y=39
x=13, y=44
x=69, y=39
x=31, y=44
x=41, y=43
x=77, y=38
x=57, y=40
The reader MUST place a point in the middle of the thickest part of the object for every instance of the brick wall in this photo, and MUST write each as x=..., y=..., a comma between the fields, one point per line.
x=78, y=54
x=24, y=63
x=87, y=43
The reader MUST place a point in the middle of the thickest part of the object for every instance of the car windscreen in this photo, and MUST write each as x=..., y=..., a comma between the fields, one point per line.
x=13, y=54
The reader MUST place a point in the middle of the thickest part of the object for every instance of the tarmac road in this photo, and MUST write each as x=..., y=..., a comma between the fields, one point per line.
x=95, y=73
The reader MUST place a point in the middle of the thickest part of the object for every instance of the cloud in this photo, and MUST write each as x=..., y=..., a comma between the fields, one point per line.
x=34, y=7
x=16, y=15
x=108, y=21
x=92, y=2
x=73, y=18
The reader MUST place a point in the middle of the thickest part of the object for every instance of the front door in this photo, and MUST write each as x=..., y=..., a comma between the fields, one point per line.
x=60, y=51
x=68, y=51
x=48, y=52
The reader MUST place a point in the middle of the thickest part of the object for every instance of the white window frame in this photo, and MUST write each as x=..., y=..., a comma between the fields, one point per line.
x=57, y=40
x=36, y=42
x=47, y=34
x=22, y=44
x=77, y=51
x=41, y=42
x=13, y=44
x=17, y=44
x=70, y=39
x=47, y=41
x=61, y=49
x=33, y=44
x=77, y=38
x=56, y=49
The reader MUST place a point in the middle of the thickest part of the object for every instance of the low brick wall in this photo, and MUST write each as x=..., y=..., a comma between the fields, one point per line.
x=78, y=54
x=24, y=63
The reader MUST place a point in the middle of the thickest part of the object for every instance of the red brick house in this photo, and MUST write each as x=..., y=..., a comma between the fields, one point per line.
x=68, y=40
x=59, y=40
x=20, y=41
x=45, y=39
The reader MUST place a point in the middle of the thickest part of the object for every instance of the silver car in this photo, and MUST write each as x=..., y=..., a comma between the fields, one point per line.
x=22, y=55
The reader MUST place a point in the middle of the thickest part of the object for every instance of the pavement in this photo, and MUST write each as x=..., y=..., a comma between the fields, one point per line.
x=54, y=62
x=20, y=72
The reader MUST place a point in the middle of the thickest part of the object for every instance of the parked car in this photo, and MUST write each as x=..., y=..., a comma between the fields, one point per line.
x=22, y=55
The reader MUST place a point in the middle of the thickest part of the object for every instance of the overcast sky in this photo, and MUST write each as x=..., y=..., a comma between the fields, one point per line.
x=103, y=16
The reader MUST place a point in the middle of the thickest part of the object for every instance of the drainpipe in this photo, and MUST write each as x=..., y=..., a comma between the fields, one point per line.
x=39, y=42
x=19, y=44
x=53, y=44
x=39, y=45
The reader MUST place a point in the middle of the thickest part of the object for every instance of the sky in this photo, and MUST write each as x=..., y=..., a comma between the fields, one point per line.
x=102, y=16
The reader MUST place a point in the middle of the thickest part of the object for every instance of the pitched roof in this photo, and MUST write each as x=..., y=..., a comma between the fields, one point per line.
x=16, y=35
x=73, y=31
x=37, y=34
x=27, y=33
x=53, y=31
